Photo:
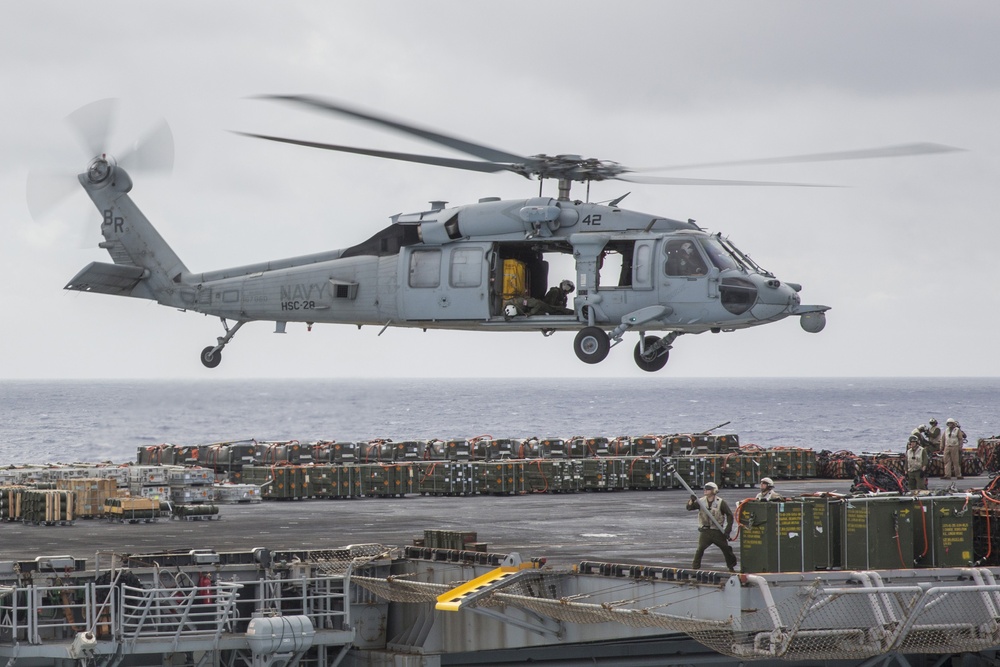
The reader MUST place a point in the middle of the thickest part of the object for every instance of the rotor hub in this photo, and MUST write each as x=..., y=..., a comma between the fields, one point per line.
x=100, y=168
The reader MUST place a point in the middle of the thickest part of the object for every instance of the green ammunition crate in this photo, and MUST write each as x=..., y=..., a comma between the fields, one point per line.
x=789, y=536
x=942, y=532
x=646, y=445
x=444, y=478
x=697, y=471
x=498, y=478
x=826, y=524
x=450, y=539
x=678, y=445
x=808, y=464
x=779, y=463
x=278, y=482
x=552, y=476
x=604, y=474
x=385, y=479
x=877, y=533
x=645, y=473
x=332, y=481
x=729, y=442
x=740, y=470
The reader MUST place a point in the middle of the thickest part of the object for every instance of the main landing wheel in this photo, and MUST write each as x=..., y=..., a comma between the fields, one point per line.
x=211, y=357
x=651, y=361
x=592, y=345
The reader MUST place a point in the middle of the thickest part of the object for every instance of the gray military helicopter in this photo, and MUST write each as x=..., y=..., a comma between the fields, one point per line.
x=475, y=267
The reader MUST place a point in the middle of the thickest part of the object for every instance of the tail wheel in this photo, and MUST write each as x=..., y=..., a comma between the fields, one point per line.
x=211, y=357
x=592, y=345
x=651, y=361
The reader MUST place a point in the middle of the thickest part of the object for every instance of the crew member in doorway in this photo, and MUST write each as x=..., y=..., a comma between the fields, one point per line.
x=711, y=506
x=916, y=464
x=767, y=490
x=554, y=302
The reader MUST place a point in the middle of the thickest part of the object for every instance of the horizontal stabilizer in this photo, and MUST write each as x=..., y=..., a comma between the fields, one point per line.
x=117, y=279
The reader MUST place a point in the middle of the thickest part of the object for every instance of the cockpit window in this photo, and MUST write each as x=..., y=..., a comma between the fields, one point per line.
x=744, y=260
x=721, y=258
x=683, y=258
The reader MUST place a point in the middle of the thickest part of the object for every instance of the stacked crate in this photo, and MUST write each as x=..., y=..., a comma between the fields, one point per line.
x=332, y=481
x=49, y=507
x=552, y=476
x=231, y=494
x=149, y=482
x=444, y=478
x=698, y=471
x=604, y=474
x=190, y=486
x=648, y=472
x=278, y=482
x=89, y=495
x=498, y=478
x=132, y=510
x=385, y=479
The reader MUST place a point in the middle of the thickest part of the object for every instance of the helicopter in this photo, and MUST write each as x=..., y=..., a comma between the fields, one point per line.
x=482, y=266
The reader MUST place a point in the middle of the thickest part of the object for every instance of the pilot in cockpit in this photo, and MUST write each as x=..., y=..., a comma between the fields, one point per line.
x=684, y=260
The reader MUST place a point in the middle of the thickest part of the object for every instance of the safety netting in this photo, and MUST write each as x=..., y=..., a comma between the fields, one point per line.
x=813, y=621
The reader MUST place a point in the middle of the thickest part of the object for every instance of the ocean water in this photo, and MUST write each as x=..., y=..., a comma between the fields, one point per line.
x=44, y=421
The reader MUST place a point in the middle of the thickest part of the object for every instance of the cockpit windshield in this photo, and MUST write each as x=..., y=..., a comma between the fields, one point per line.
x=720, y=257
x=716, y=245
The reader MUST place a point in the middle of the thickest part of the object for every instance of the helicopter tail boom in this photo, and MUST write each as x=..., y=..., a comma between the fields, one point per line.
x=144, y=264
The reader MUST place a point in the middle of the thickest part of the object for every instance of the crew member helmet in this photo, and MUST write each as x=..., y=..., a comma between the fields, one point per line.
x=767, y=480
x=567, y=286
x=712, y=485
x=933, y=421
x=951, y=421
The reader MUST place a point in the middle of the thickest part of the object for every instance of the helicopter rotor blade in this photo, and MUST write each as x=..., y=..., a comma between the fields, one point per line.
x=900, y=150
x=153, y=152
x=92, y=124
x=461, y=145
x=46, y=190
x=670, y=180
x=470, y=165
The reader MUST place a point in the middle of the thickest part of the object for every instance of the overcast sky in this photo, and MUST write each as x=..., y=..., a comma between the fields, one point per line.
x=904, y=256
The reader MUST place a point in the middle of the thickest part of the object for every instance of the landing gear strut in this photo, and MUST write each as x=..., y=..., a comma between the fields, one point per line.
x=211, y=356
x=652, y=353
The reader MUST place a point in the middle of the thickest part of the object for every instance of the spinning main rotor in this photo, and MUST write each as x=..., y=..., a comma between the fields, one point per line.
x=564, y=168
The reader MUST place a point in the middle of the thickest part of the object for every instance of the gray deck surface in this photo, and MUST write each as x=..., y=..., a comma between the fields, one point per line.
x=645, y=527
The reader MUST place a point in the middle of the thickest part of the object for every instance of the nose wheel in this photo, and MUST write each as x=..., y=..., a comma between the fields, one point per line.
x=211, y=356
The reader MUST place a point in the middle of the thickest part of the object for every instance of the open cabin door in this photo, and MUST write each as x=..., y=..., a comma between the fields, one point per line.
x=448, y=282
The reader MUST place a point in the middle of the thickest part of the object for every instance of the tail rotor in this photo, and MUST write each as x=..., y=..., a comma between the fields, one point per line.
x=93, y=126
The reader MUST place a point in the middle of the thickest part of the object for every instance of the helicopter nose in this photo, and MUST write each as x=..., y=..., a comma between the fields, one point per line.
x=774, y=292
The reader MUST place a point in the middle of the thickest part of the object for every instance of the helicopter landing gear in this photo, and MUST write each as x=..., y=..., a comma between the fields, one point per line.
x=651, y=353
x=211, y=356
x=592, y=345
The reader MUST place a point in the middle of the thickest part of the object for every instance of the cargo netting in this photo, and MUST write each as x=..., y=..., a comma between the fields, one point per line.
x=337, y=561
x=815, y=622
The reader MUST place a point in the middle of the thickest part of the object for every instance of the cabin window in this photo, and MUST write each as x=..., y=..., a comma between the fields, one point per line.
x=466, y=267
x=684, y=259
x=425, y=268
